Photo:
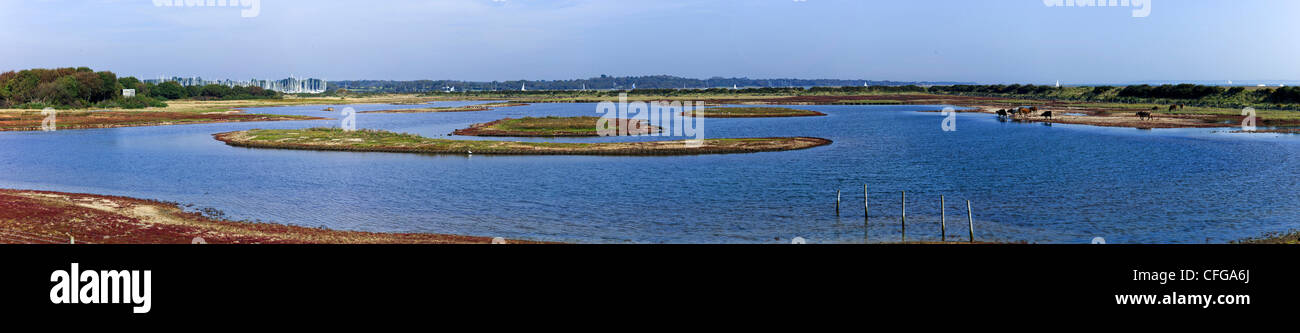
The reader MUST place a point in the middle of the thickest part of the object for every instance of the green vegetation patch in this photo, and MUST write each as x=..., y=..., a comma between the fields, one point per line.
x=557, y=127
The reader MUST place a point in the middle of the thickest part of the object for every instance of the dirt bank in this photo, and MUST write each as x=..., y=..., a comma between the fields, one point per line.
x=37, y=217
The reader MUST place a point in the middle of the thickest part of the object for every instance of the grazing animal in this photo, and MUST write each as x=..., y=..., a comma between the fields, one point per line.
x=1143, y=115
x=1173, y=108
x=1047, y=114
x=1002, y=113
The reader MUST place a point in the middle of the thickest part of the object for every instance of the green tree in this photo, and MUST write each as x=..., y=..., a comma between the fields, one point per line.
x=169, y=90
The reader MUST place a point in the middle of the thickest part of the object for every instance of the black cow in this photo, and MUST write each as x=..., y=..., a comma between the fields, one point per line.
x=1047, y=114
x=1143, y=115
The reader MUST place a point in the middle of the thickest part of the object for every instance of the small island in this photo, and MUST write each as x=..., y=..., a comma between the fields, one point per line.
x=752, y=112
x=334, y=139
x=556, y=127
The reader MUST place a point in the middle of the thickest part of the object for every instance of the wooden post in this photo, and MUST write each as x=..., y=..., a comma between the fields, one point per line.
x=837, y=202
x=866, y=213
x=943, y=220
x=970, y=220
x=904, y=204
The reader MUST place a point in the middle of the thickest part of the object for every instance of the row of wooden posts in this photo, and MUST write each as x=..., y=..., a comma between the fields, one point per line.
x=943, y=214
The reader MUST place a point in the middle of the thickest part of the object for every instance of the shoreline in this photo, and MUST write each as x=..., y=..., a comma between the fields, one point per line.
x=183, y=120
x=180, y=112
x=1123, y=120
x=333, y=139
x=1102, y=114
x=53, y=218
x=45, y=217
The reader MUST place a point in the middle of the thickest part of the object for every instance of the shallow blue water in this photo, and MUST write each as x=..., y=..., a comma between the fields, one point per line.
x=1028, y=182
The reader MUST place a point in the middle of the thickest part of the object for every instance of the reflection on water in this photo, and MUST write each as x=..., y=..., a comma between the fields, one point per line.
x=1063, y=183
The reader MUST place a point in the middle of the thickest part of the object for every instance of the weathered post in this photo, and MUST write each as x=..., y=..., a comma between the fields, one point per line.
x=866, y=213
x=904, y=205
x=970, y=221
x=837, y=202
x=943, y=220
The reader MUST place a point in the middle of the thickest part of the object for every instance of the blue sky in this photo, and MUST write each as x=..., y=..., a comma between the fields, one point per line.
x=962, y=40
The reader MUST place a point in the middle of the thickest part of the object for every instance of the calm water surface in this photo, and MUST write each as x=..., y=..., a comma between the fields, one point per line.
x=1028, y=182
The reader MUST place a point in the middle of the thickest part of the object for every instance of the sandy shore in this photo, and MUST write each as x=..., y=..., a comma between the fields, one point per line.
x=1131, y=120
x=38, y=217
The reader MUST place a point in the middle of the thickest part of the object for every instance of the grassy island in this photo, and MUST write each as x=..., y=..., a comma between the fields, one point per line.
x=334, y=139
x=555, y=127
x=753, y=112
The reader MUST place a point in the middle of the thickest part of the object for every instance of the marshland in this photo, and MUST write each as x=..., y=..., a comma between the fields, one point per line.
x=1027, y=182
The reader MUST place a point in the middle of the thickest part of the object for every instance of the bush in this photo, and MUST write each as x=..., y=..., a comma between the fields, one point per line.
x=137, y=102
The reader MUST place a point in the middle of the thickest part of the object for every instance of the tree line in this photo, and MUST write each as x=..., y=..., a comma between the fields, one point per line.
x=1013, y=89
x=1169, y=93
x=82, y=87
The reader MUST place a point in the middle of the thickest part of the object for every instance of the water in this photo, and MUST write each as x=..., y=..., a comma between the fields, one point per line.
x=1028, y=182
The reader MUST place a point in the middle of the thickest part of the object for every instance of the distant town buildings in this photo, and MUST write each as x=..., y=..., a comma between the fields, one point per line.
x=291, y=85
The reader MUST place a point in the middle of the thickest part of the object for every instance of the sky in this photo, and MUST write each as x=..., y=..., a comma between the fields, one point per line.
x=987, y=41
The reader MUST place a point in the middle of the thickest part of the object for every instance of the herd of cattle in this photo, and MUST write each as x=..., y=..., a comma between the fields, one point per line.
x=1028, y=112
x=1024, y=112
